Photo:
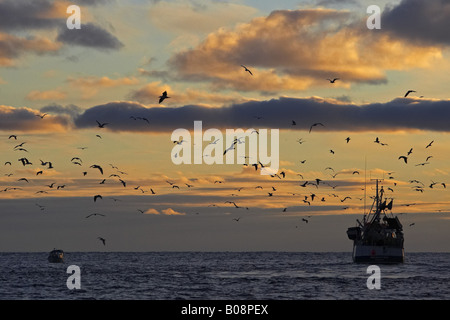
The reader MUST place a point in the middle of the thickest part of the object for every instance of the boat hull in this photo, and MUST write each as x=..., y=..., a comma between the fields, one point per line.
x=378, y=254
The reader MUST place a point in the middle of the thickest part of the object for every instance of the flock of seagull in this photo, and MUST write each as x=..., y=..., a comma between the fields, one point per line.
x=305, y=199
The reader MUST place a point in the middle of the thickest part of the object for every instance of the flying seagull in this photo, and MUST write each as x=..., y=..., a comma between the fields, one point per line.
x=95, y=166
x=409, y=91
x=315, y=124
x=97, y=196
x=95, y=214
x=333, y=80
x=163, y=96
x=101, y=125
x=102, y=240
x=404, y=158
x=246, y=69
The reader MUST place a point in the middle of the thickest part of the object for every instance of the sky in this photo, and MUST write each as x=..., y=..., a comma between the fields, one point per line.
x=58, y=86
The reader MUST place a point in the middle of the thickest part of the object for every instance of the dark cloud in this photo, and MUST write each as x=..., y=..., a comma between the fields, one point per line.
x=72, y=110
x=28, y=14
x=337, y=3
x=27, y=120
x=12, y=47
x=425, y=22
x=92, y=2
x=398, y=114
x=89, y=35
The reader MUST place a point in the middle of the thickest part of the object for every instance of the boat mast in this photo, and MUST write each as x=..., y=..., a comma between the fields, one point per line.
x=365, y=185
x=376, y=215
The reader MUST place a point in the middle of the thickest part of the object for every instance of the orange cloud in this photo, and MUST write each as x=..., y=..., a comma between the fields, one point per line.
x=168, y=211
x=26, y=119
x=298, y=49
x=46, y=95
x=12, y=47
x=152, y=211
x=91, y=85
x=171, y=212
x=150, y=94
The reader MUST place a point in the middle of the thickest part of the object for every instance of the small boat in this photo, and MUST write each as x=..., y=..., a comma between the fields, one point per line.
x=379, y=237
x=56, y=256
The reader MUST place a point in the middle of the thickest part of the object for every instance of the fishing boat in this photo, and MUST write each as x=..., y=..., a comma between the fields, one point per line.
x=379, y=237
x=56, y=256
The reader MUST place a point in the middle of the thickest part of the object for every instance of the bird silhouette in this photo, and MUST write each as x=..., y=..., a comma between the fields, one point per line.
x=25, y=161
x=404, y=158
x=422, y=164
x=333, y=80
x=19, y=145
x=102, y=240
x=408, y=92
x=163, y=97
x=246, y=69
x=314, y=125
x=101, y=125
x=97, y=196
x=94, y=214
x=429, y=145
x=95, y=166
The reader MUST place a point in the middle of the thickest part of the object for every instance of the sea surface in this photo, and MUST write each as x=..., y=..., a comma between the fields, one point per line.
x=220, y=276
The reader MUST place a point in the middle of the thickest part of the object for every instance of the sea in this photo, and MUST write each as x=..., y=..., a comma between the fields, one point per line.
x=221, y=276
